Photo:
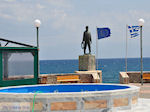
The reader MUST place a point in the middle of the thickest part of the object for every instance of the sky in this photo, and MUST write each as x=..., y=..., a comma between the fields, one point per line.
x=63, y=23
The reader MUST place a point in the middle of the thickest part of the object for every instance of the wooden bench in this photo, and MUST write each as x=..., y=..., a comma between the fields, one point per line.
x=146, y=76
x=68, y=78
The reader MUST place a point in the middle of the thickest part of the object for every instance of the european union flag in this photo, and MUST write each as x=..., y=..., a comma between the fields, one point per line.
x=103, y=32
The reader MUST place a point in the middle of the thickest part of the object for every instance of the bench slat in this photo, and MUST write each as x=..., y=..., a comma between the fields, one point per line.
x=146, y=76
x=68, y=78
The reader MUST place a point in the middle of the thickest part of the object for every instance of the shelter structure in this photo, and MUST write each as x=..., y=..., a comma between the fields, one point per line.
x=18, y=65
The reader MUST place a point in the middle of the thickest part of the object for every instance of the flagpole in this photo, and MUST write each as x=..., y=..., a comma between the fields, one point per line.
x=141, y=55
x=104, y=32
x=126, y=47
x=96, y=49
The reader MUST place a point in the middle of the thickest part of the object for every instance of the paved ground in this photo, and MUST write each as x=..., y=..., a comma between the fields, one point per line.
x=144, y=91
x=142, y=106
x=144, y=100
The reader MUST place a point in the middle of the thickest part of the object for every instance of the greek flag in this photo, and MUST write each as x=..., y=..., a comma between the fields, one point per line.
x=134, y=31
x=103, y=32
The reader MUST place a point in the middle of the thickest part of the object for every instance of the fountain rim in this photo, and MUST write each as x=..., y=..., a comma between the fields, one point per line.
x=131, y=88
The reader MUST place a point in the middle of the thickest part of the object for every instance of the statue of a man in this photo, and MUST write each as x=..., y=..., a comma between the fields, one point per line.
x=86, y=40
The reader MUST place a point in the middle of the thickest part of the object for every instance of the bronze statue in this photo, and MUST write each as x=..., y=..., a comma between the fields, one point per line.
x=86, y=40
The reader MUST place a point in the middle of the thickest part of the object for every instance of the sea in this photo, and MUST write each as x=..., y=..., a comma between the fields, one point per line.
x=110, y=67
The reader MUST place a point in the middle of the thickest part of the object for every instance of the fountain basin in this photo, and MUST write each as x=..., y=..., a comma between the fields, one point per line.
x=72, y=98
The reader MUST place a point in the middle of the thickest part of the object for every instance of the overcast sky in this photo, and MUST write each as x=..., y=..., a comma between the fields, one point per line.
x=64, y=21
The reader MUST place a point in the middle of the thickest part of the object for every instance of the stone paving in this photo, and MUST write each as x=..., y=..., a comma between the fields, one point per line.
x=144, y=100
x=144, y=91
x=142, y=106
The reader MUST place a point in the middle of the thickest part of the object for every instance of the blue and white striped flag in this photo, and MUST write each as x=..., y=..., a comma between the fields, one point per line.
x=134, y=31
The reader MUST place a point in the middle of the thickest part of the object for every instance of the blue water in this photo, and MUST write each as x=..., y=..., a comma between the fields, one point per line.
x=110, y=67
x=63, y=88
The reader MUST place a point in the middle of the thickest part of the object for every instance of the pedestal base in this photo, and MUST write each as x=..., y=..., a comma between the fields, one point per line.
x=87, y=62
x=96, y=75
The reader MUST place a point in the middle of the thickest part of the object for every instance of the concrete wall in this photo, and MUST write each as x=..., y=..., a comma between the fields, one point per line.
x=132, y=77
x=84, y=76
x=124, y=78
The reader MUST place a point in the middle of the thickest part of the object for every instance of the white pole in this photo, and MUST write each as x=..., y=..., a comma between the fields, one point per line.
x=126, y=47
x=96, y=49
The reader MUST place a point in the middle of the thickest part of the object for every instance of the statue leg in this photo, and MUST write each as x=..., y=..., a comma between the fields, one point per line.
x=89, y=46
x=85, y=48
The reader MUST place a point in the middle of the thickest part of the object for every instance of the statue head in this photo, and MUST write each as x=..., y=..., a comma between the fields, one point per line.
x=87, y=28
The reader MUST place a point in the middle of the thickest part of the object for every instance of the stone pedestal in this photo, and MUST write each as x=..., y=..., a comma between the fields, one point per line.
x=96, y=75
x=87, y=62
